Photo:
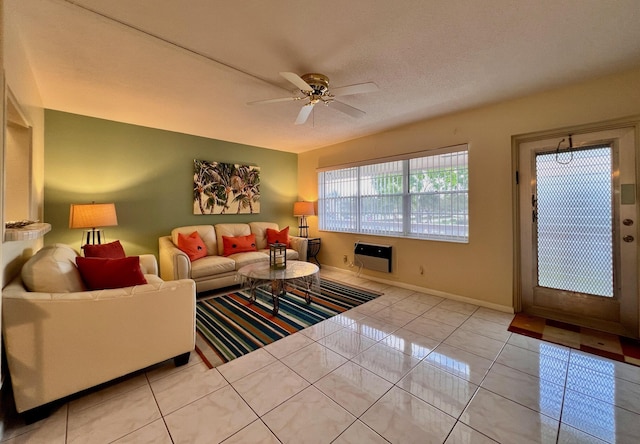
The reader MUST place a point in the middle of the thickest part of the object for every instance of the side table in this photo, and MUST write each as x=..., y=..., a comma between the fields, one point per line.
x=313, y=248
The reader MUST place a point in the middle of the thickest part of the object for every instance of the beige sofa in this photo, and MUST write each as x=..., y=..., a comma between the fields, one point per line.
x=216, y=270
x=67, y=340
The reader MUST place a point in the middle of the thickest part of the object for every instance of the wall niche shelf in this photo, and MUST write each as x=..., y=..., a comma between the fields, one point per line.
x=29, y=232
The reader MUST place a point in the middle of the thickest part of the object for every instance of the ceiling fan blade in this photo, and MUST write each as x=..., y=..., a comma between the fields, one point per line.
x=358, y=88
x=347, y=109
x=280, y=99
x=296, y=80
x=304, y=113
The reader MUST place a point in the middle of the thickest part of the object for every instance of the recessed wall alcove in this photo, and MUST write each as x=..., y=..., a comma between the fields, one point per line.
x=18, y=191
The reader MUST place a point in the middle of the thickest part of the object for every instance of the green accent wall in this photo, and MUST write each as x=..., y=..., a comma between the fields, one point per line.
x=148, y=174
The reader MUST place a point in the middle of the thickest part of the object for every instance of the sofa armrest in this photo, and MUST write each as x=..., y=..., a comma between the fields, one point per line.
x=300, y=245
x=174, y=263
x=148, y=264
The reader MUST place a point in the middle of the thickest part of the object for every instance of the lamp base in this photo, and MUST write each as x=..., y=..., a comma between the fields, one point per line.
x=92, y=237
x=303, y=228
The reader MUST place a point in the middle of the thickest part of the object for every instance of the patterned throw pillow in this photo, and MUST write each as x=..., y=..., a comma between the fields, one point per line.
x=192, y=245
x=239, y=244
x=281, y=237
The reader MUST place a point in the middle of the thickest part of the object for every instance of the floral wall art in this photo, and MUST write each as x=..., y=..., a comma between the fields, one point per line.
x=225, y=188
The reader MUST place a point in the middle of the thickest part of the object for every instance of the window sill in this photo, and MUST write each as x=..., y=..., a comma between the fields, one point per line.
x=30, y=232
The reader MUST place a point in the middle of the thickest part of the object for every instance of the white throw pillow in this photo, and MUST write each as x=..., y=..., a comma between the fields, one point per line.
x=53, y=270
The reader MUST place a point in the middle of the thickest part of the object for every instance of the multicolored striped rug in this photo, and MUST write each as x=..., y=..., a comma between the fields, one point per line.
x=228, y=326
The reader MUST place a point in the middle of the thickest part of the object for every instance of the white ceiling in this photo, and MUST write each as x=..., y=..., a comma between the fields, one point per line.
x=192, y=66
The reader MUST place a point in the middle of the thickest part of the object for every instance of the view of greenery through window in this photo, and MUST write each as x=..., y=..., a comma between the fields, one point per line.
x=421, y=197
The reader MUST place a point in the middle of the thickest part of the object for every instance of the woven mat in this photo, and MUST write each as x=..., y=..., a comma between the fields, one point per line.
x=596, y=342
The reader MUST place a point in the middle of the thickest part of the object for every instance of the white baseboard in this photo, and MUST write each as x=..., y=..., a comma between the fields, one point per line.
x=443, y=294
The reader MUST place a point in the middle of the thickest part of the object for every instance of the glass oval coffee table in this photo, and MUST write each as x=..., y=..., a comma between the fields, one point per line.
x=298, y=274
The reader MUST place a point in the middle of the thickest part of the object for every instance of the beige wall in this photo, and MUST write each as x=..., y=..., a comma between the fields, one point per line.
x=22, y=83
x=482, y=269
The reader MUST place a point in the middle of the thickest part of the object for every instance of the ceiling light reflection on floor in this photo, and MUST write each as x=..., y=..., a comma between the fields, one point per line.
x=451, y=365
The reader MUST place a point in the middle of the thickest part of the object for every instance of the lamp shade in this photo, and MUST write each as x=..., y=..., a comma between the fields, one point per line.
x=303, y=209
x=92, y=215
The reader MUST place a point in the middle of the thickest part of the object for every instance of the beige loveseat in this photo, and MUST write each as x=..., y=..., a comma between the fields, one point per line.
x=216, y=270
x=65, y=340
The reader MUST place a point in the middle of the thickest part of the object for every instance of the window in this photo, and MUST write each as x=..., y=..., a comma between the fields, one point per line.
x=422, y=196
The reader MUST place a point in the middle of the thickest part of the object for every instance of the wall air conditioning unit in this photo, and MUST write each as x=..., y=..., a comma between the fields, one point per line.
x=373, y=256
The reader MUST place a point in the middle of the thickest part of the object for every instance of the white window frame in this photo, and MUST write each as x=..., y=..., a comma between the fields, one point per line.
x=349, y=201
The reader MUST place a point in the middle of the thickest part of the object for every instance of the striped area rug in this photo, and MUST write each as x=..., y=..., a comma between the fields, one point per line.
x=228, y=326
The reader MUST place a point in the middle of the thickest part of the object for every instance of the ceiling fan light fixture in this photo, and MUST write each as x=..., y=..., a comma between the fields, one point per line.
x=318, y=82
x=315, y=88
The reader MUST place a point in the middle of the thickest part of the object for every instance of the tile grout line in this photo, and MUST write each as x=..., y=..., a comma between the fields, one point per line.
x=162, y=416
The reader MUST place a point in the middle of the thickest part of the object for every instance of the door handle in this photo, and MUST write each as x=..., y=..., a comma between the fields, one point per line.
x=628, y=238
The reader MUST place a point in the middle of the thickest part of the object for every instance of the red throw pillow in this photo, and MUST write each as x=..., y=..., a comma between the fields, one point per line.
x=102, y=273
x=192, y=245
x=238, y=244
x=112, y=250
x=280, y=237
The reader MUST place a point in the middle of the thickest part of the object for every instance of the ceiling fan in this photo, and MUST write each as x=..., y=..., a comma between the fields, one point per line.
x=315, y=88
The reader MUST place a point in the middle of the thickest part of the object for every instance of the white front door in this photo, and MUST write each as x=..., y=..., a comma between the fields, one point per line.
x=579, y=230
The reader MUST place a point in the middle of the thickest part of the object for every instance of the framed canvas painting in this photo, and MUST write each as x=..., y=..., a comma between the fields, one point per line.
x=225, y=188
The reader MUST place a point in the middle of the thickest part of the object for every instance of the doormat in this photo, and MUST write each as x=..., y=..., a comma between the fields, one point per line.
x=585, y=339
x=230, y=326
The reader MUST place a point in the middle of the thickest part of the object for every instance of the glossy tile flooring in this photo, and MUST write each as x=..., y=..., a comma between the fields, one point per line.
x=405, y=368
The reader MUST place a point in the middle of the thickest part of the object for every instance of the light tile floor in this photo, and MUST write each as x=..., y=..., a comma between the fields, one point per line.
x=404, y=368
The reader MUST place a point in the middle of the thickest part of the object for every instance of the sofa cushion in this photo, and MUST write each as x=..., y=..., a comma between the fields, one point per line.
x=103, y=273
x=206, y=233
x=230, y=230
x=111, y=250
x=53, y=270
x=211, y=266
x=153, y=279
x=239, y=244
x=242, y=259
x=280, y=237
x=260, y=230
x=192, y=245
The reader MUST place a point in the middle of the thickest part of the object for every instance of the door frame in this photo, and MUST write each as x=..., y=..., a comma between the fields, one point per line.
x=516, y=141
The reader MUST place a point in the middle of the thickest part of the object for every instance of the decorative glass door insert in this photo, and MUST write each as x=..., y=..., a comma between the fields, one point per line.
x=574, y=220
